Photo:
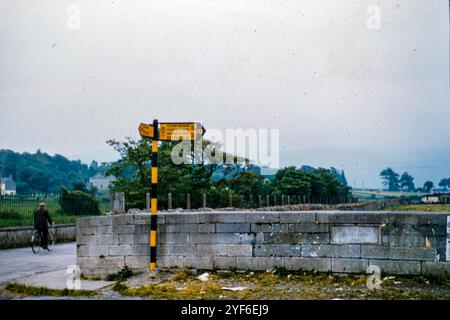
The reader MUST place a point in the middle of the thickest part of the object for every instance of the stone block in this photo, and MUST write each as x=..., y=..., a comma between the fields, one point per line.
x=100, y=262
x=126, y=238
x=88, y=230
x=224, y=263
x=398, y=253
x=137, y=262
x=331, y=251
x=232, y=227
x=418, y=218
x=119, y=250
x=170, y=262
x=176, y=250
x=182, y=218
x=270, y=227
x=140, y=250
x=346, y=265
x=218, y=249
x=190, y=228
x=173, y=238
x=292, y=238
x=222, y=238
x=309, y=227
x=298, y=217
x=259, y=263
x=262, y=217
x=222, y=217
x=277, y=250
x=242, y=250
x=307, y=264
x=122, y=219
x=357, y=217
x=436, y=268
x=203, y=263
x=397, y=266
x=92, y=250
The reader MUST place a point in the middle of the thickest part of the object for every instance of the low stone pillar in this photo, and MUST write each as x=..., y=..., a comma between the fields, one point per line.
x=118, y=203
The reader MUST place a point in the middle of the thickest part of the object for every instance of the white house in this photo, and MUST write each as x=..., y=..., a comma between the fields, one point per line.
x=101, y=182
x=8, y=186
x=430, y=198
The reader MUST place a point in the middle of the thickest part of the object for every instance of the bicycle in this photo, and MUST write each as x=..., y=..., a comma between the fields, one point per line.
x=36, y=241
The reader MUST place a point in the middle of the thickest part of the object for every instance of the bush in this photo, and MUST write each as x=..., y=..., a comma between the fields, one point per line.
x=7, y=215
x=78, y=203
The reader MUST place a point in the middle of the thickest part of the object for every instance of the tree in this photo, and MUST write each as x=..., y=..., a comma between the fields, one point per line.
x=77, y=202
x=445, y=183
x=42, y=173
x=428, y=186
x=407, y=182
x=390, y=179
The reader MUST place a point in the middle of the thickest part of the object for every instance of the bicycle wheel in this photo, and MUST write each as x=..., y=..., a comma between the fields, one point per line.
x=50, y=241
x=36, y=242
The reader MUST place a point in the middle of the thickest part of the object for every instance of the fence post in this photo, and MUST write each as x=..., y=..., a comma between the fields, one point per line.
x=282, y=200
x=288, y=199
x=188, y=201
x=169, y=201
x=250, y=200
x=230, y=200
x=268, y=201
x=259, y=201
x=204, y=201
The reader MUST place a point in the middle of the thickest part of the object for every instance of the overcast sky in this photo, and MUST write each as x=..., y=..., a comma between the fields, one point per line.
x=341, y=94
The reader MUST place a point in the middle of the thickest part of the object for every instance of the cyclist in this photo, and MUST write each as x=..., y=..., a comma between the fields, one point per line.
x=41, y=217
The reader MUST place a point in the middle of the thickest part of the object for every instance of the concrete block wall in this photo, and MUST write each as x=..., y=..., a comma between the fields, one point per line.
x=343, y=242
x=21, y=236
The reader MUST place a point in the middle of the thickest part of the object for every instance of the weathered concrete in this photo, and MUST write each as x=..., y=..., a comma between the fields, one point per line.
x=344, y=242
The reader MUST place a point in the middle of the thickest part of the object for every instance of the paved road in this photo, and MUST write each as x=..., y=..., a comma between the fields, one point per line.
x=20, y=262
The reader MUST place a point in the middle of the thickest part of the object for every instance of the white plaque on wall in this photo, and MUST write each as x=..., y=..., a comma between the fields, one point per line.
x=355, y=234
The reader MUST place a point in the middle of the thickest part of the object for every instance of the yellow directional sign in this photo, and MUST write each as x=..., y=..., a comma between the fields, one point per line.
x=174, y=131
x=146, y=130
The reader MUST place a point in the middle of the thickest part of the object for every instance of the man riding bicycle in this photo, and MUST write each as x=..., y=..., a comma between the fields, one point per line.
x=41, y=217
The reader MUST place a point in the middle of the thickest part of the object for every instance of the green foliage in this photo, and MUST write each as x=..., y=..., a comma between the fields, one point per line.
x=407, y=182
x=133, y=176
x=42, y=173
x=122, y=275
x=77, y=202
x=445, y=183
x=428, y=186
x=390, y=179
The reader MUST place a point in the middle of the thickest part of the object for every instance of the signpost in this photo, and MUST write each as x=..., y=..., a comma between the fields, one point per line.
x=164, y=131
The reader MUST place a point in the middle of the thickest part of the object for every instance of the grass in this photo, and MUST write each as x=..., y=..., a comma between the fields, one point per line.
x=371, y=195
x=284, y=285
x=419, y=208
x=23, y=290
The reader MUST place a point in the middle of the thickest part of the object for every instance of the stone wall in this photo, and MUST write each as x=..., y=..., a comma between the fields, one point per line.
x=342, y=242
x=21, y=236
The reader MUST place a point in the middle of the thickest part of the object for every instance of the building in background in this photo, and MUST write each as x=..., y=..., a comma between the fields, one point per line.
x=100, y=182
x=8, y=186
x=436, y=198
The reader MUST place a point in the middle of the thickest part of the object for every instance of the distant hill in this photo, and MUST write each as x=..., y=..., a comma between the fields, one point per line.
x=42, y=173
